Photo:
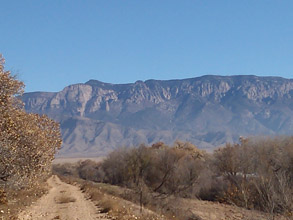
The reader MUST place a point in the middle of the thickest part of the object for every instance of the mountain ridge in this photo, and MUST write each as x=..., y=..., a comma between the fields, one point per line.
x=207, y=111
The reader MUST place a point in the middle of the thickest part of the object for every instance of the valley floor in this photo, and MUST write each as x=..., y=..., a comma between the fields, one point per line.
x=67, y=202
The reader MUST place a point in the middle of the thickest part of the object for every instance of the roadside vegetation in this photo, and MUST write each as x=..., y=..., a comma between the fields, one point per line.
x=110, y=201
x=256, y=174
x=28, y=143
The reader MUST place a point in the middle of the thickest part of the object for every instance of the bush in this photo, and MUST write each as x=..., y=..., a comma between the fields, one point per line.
x=259, y=174
x=255, y=174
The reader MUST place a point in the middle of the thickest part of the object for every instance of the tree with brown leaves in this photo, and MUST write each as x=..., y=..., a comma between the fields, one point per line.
x=28, y=142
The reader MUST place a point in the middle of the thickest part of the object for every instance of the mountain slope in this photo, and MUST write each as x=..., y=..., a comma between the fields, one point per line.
x=97, y=117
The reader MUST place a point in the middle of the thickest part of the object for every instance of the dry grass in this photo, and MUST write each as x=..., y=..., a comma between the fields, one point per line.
x=64, y=199
x=113, y=201
x=3, y=197
x=167, y=207
x=121, y=203
x=18, y=200
x=109, y=200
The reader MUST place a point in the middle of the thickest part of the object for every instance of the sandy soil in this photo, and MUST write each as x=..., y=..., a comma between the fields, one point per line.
x=65, y=202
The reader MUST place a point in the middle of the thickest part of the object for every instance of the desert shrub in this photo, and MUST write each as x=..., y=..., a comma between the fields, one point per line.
x=161, y=169
x=90, y=170
x=274, y=174
x=114, y=166
x=157, y=169
x=66, y=169
x=259, y=173
x=255, y=174
x=212, y=188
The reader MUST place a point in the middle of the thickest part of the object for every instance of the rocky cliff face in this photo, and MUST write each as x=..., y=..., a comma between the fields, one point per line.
x=97, y=117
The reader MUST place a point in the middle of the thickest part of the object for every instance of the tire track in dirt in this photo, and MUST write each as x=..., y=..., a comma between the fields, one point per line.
x=65, y=202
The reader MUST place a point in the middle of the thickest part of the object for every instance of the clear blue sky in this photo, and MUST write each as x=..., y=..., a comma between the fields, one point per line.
x=53, y=43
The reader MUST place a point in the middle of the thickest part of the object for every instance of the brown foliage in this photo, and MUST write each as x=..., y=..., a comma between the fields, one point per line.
x=28, y=141
x=160, y=169
x=255, y=174
x=259, y=174
x=3, y=197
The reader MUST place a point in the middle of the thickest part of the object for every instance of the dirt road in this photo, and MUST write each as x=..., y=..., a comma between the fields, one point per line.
x=65, y=202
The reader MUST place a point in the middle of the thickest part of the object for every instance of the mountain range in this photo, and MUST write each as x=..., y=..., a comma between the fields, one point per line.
x=97, y=117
